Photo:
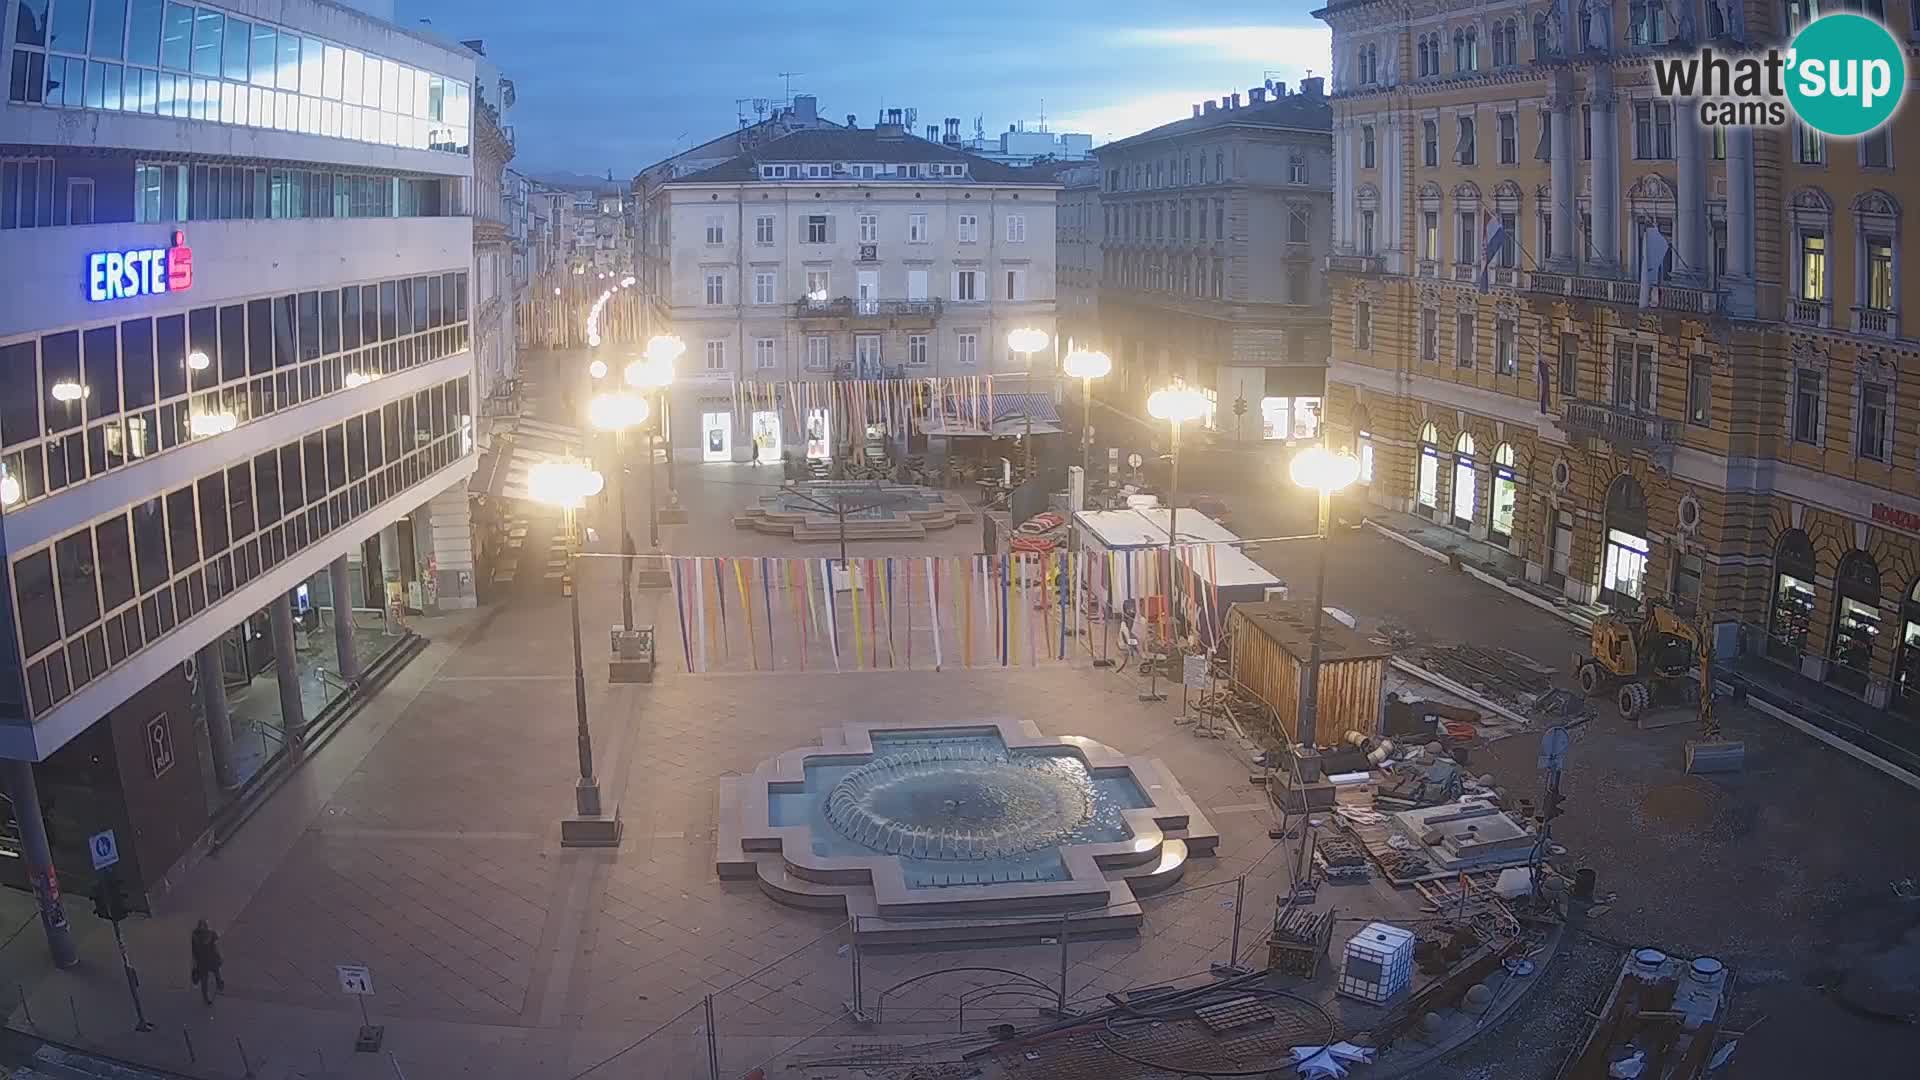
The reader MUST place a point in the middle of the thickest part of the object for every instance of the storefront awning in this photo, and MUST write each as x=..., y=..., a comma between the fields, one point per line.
x=1011, y=416
x=518, y=445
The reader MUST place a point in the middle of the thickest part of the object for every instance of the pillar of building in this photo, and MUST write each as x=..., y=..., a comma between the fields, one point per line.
x=1605, y=201
x=340, y=582
x=210, y=674
x=1342, y=187
x=1740, y=222
x=390, y=577
x=449, y=570
x=1690, y=216
x=39, y=859
x=1392, y=187
x=286, y=671
x=1561, y=164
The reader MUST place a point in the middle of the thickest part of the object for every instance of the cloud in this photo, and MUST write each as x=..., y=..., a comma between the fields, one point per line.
x=1280, y=47
x=1132, y=116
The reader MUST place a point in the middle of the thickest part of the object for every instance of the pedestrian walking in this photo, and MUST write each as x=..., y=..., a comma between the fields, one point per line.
x=206, y=962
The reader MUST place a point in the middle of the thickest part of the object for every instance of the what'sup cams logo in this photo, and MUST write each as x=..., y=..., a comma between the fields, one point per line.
x=1841, y=75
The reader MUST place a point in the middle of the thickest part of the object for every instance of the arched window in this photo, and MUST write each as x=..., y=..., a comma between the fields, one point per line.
x=1473, y=49
x=1506, y=496
x=1460, y=50
x=1793, y=597
x=1219, y=166
x=1186, y=170
x=1465, y=490
x=1624, y=568
x=1906, y=675
x=1463, y=445
x=1541, y=47
x=1856, y=621
x=1363, y=444
x=1428, y=492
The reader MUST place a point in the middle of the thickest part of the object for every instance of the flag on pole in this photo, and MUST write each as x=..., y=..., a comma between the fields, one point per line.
x=1495, y=229
x=1653, y=263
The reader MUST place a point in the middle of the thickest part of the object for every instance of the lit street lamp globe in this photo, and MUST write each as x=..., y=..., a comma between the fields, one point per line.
x=1320, y=469
x=1088, y=364
x=616, y=411
x=597, y=369
x=1027, y=340
x=566, y=484
x=665, y=348
x=1177, y=404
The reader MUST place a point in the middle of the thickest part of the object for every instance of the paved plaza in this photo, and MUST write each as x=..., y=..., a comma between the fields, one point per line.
x=423, y=842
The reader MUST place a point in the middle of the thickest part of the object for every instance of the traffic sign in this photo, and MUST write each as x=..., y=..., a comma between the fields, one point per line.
x=104, y=849
x=355, y=979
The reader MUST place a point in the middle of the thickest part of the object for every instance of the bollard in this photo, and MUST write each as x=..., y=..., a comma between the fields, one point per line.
x=322, y=1055
x=25, y=1008
x=246, y=1067
x=1062, y=995
x=75, y=1010
x=713, y=1044
x=187, y=1037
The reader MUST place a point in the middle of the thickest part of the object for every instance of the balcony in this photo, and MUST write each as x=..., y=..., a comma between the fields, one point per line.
x=1353, y=264
x=850, y=313
x=1809, y=312
x=1428, y=268
x=1877, y=322
x=1466, y=272
x=1611, y=290
x=1621, y=427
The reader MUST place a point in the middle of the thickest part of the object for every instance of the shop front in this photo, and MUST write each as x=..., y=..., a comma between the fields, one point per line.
x=766, y=436
x=1790, y=610
x=819, y=435
x=716, y=436
x=1623, y=567
x=1427, y=494
x=1506, y=494
x=1906, y=674
x=1856, y=624
x=1465, y=492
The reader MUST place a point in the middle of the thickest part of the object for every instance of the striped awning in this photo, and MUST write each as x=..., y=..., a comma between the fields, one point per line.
x=518, y=445
x=1011, y=416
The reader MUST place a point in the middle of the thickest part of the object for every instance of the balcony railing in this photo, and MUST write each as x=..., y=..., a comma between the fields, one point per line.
x=1621, y=425
x=1465, y=272
x=847, y=307
x=1353, y=264
x=1809, y=312
x=1607, y=290
x=1876, y=321
x=1427, y=268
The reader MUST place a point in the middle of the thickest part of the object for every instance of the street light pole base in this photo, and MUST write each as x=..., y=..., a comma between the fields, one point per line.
x=654, y=578
x=1103, y=663
x=591, y=829
x=1153, y=697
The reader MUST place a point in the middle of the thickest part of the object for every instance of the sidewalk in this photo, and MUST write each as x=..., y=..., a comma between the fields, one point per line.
x=1490, y=563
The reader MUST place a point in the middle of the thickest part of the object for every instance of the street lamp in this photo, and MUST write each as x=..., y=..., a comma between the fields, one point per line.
x=653, y=373
x=597, y=369
x=616, y=412
x=1026, y=341
x=1087, y=365
x=1176, y=405
x=568, y=485
x=1319, y=469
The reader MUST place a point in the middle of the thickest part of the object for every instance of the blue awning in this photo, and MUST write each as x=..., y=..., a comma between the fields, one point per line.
x=1013, y=414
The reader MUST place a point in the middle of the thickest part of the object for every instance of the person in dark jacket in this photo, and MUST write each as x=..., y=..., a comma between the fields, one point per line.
x=206, y=962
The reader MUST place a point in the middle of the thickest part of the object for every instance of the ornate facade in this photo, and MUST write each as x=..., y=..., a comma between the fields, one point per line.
x=1733, y=433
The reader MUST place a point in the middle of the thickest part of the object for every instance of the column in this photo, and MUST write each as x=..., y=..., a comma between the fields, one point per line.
x=342, y=588
x=286, y=671
x=448, y=577
x=1342, y=193
x=389, y=565
x=40, y=872
x=1391, y=194
x=1563, y=207
x=210, y=673
x=1740, y=286
x=1606, y=173
x=1690, y=222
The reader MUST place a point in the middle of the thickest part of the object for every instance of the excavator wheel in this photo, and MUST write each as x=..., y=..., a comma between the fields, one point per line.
x=1592, y=678
x=1633, y=700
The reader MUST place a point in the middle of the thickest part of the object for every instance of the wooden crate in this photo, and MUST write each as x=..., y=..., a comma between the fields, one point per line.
x=1270, y=648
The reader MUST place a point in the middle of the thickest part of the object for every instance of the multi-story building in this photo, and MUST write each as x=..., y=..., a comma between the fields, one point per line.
x=1214, y=232
x=1078, y=239
x=495, y=342
x=1731, y=435
x=856, y=252
x=236, y=381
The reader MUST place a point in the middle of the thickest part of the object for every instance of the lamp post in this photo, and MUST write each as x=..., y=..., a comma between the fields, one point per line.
x=1087, y=365
x=1176, y=405
x=1026, y=341
x=653, y=374
x=568, y=485
x=616, y=412
x=1324, y=471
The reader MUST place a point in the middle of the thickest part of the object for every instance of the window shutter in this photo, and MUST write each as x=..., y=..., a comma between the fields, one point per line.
x=1544, y=151
x=1463, y=126
x=954, y=292
x=830, y=224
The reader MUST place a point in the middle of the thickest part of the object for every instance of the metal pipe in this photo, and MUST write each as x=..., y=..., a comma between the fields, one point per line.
x=1066, y=923
x=1239, y=903
x=39, y=859
x=713, y=1044
x=1309, y=700
x=626, y=538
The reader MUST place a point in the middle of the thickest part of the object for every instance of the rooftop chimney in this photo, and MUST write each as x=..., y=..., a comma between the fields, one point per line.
x=1236, y=100
x=1226, y=103
x=1207, y=107
x=477, y=45
x=1196, y=108
x=1279, y=88
x=853, y=121
x=933, y=133
x=804, y=109
x=1256, y=95
x=953, y=131
x=1313, y=87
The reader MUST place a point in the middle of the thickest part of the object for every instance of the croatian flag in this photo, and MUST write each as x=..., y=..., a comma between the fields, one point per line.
x=1653, y=263
x=1496, y=243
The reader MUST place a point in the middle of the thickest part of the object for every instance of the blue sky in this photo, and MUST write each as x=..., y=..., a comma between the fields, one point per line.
x=604, y=84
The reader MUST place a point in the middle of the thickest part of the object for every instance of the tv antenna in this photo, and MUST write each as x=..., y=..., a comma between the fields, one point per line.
x=789, y=76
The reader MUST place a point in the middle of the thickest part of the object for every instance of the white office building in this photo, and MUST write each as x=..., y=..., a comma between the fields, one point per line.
x=235, y=386
x=844, y=253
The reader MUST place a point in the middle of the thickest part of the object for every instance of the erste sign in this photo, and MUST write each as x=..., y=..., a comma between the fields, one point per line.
x=120, y=275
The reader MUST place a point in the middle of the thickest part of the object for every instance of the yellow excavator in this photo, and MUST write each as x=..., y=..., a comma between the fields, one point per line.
x=1654, y=657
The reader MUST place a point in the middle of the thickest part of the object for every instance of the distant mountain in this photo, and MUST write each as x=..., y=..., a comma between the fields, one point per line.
x=574, y=181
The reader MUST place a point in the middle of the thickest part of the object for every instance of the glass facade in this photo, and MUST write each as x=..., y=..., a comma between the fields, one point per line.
x=196, y=62
x=91, y=599
x=81, y=402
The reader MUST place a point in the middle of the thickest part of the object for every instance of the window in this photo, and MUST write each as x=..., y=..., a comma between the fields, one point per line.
x=1872, y=441
x=1546, y=235
x=763, y=292
x=1809, y=146
x=819, y=352
x=1466, y=245
x=763, y=230
x=1430, y=335
x=1463, y=148
x=1510, y=241
x=1220, y=219
x=1509, y=139
x=716, y=289
x=763, y=356
x=1875, y=150
x=966, y=285
x=917, y=350
x=1430, y=143
x=1016, y=282
x=869, y=228
x=916, y=284
x=1366, y=146
x=1464, y=345
x=1298, y=219
x=968, y=228
x=716, y=230
x=1016, y=229
x=1634, y=377
x=817, y=286
x=1813, y=265
x=916, y=228
x=1879, y=254
x=817, y=226
x=1430, y=234
x=1296, y=167
x=716, y=355
x=1646, y=22
x=1569, y=365
x=1506, y=347
x=1363, y=325
x=1366, y=232
x=1699, y=390
x=1806, y=407
x=1586, y=132
x=966, y=349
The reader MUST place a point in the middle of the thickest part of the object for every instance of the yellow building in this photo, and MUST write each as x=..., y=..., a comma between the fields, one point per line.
x=1737, y=436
